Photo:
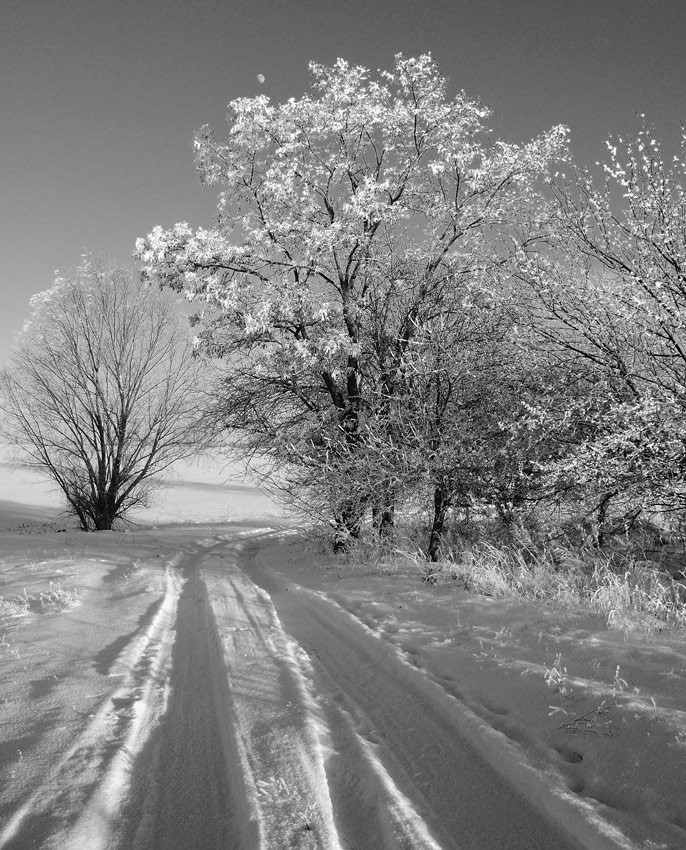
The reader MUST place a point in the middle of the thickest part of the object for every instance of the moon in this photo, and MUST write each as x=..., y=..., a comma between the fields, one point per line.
x=260, y=78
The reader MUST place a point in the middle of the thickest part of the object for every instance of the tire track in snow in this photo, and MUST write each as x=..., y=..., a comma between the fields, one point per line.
x=286, y=742
x=235, y=761
x=188, y=758
x=280, y=756
x=256, y=718
x=179, y=792
x=144, y=664
x=370, y=809
x=409, y=738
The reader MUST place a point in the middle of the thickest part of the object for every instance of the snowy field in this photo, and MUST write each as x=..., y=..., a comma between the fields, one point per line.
x=212, y=679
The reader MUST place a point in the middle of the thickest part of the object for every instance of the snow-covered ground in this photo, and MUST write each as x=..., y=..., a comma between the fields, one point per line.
x=212, y=679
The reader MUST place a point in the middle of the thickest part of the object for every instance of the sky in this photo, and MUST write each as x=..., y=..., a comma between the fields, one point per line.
x=99, y=99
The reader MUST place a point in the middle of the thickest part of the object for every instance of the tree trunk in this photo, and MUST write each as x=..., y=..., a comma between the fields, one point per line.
x=441, y=505
x=600, y=529
x=348, y=525
x=102, y=519
x=103, y=523
x=383, y=515
x=103, y=511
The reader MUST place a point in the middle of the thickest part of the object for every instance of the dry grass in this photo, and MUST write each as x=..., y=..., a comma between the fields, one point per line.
x=18, y=605
x=622, y=586
x=55, y=598
x=625, y=593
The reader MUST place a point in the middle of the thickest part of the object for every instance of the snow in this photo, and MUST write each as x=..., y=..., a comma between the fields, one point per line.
x=212, y=678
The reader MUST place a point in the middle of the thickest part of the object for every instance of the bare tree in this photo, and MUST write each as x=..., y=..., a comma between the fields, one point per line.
x=101, y=392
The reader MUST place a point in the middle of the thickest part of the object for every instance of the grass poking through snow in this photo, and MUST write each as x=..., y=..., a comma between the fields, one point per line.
x=589, y=582
x=627, y=592
x=55, y=598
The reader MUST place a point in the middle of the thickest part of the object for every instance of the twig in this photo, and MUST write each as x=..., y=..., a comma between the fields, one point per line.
x=585, y=722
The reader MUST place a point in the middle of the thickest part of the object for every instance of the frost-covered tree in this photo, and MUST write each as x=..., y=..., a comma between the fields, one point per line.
x=634, y=226
x=612, y=298
x=101, y=392
x=344, y=215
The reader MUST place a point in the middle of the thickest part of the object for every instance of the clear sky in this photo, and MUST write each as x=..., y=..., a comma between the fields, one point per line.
x=99, y=99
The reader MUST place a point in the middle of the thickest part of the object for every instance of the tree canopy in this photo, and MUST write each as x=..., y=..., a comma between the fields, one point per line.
x=101, y=392
x=349, y=220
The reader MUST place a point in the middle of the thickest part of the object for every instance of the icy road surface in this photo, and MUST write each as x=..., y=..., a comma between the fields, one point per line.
x=196, y=696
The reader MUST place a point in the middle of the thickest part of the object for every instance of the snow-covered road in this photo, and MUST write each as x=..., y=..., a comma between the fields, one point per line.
x=246, y=712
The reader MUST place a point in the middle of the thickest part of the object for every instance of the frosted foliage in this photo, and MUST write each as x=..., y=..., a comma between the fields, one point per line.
x=614, y=298
x=313, y=189
x=344, y=217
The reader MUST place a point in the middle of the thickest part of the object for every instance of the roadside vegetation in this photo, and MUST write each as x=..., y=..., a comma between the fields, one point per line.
x=633, y=584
